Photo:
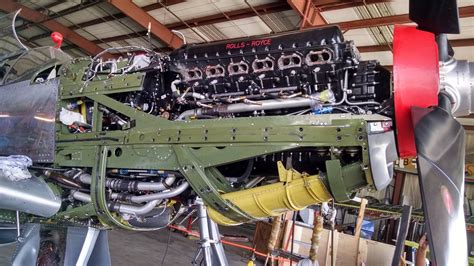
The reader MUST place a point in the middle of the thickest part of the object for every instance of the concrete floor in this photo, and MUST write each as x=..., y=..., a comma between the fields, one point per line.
x=6, y=253
x=137, y=248
x=147, y=248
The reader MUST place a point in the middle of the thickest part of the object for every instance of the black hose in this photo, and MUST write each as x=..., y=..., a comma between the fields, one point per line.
x=166, y=249
x=247, y=172
x=443, y=47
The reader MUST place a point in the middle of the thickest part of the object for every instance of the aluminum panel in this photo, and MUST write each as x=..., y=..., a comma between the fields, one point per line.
x=383, y=153
x=27, y=120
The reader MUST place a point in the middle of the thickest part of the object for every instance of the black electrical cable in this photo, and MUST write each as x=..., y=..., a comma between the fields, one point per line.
x=166, y=249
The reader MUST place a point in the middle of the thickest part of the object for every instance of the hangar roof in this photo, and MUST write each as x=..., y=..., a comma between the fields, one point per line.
x=103, y=24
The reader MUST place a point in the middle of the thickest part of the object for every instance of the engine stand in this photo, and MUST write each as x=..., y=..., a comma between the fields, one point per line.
x=210, y=248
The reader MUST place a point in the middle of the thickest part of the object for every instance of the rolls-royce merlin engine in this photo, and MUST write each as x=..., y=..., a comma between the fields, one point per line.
x=311, y=71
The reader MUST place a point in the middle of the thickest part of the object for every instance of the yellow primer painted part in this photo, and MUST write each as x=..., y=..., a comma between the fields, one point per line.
x=295, y=191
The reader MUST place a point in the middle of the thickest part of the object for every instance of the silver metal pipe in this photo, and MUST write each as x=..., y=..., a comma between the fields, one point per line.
x=156, y=186
x=216, y=244
x=195, y=95
x=18, y=232
x=123, y=208
x=161, y=195
x=243, y=107
x=137, y=210
x=81, y=196
x=254, y=182
x=204, y=232
x=115, y=183
x=85, y=178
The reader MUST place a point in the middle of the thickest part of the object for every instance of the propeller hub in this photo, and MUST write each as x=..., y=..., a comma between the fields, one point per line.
x=457, y=82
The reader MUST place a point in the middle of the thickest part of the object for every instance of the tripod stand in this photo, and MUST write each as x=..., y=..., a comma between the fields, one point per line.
x=210, y=251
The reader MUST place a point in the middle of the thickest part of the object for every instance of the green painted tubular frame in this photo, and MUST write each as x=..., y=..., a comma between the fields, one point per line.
x=197, y=147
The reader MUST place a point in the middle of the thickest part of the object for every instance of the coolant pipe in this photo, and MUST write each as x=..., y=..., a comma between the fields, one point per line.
x=123, y=208
x=81, y=196
x=243, y=107
x=194, y=95
x=137, y=210
x=254, y=182
x=130, y=185
x=161, y=195
x=312, y=100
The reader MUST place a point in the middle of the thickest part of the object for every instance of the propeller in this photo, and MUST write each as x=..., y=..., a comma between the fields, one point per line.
x=440, y=145
x=430, y=88
x=436, y=16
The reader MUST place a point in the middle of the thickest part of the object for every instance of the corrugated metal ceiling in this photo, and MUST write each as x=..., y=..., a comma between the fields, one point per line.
x=133, y=34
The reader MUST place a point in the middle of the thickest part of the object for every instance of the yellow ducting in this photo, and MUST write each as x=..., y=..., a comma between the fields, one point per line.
x=294, y=191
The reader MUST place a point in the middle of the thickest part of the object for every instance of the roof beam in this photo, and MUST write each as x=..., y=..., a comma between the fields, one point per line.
x=383, y=48
x=311, y=16
x=310, y=10
x=145, y=20
x=37, y=17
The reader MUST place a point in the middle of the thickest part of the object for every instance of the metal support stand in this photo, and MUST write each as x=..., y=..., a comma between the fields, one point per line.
x=211, y=247
x=88, y=247
x=28, y=248
x=402, y=234
x=18, y=227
